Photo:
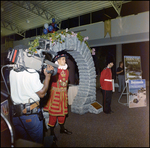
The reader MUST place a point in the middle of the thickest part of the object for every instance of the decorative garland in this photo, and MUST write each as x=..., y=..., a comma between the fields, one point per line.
x=57, y=37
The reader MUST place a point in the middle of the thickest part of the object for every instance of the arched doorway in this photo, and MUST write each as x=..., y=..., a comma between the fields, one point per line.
x=87, y=74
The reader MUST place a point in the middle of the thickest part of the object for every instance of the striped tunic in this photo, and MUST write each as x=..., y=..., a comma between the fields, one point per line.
x=57, y=104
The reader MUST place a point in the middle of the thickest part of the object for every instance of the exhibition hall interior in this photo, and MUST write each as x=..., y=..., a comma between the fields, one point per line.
x=90, y=35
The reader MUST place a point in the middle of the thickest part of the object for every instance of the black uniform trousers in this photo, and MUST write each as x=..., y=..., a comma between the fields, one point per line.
x=107, y=96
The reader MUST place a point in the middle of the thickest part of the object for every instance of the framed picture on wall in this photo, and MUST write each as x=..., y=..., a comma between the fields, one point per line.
x=132, y=67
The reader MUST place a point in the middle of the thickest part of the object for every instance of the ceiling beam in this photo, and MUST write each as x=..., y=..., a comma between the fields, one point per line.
x=12, y=27
x=117, y=6
x=34, y=8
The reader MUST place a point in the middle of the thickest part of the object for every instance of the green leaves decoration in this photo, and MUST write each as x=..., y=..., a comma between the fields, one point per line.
x=56, y=37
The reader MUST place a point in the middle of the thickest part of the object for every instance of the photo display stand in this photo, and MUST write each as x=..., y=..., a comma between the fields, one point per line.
x=132, y=70
x=137, y=93
x=125, y=92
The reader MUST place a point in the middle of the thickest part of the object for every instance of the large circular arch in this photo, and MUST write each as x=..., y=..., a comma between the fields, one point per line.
x=87, y=75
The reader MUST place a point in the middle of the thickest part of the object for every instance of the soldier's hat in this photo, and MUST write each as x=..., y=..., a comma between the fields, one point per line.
x=109, y=59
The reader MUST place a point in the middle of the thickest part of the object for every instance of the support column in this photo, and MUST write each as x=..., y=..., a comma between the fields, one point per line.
x=118, y=54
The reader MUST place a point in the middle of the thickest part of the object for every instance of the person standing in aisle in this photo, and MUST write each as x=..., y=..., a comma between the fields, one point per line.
x=121, y=78
x=106, y=84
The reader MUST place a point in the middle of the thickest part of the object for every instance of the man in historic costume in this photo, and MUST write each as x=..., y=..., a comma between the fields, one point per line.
x=57, y=105
x=106, y=84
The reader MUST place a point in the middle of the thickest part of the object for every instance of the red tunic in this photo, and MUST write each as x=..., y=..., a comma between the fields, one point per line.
x=58, y=102
x=106, y=74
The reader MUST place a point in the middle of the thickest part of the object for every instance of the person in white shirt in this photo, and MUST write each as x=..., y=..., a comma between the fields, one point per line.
x=26, y=91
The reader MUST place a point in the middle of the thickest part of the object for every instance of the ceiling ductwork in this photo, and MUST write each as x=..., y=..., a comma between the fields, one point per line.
x=14, y=14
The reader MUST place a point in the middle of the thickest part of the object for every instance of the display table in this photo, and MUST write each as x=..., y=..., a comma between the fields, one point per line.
x=72, y=92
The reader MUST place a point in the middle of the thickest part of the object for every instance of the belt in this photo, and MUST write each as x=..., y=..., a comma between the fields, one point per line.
x=32, y=106
x=58, y=89
x=109, y=80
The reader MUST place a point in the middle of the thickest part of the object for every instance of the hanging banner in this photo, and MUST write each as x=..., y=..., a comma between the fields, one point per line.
x=137, y=93
x=132, y=65
x=107, y=28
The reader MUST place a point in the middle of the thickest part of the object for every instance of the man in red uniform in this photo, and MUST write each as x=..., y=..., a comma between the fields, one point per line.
x=57, y=105
x=106, y=85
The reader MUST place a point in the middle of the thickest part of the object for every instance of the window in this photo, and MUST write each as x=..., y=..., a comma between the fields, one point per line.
x=85, y=19
x=30, y=33
x=2, y=40
x=74, y=22
x=18, y=37
x=33, y=32
x=11, y=37
x=97, y=16
x=65, y=24
x=40, y=30
x=104, y=14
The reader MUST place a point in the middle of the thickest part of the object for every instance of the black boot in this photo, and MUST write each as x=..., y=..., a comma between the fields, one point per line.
x=53, y=134
x=63, y=130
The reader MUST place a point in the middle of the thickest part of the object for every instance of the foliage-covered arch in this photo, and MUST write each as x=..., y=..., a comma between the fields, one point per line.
x=78, y=48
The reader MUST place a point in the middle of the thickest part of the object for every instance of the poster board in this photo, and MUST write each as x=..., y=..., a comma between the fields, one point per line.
x=137, y=93
x=5, y=112
x=132, y=67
